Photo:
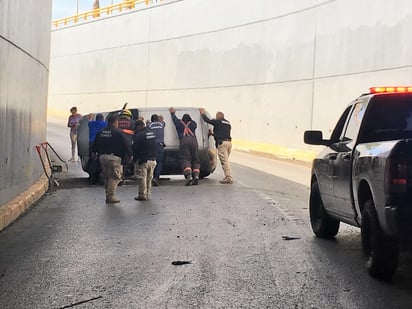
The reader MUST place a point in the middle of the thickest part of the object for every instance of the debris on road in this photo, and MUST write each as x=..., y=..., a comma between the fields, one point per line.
x=81, y=302
x=180, y=263
x=229, y=222
x=289, y=238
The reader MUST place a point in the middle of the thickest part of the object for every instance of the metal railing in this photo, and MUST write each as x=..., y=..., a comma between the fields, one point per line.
x=107, y=10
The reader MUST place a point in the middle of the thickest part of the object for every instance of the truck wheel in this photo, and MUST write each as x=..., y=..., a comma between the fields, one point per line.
x=322, y=224
x=381, y=250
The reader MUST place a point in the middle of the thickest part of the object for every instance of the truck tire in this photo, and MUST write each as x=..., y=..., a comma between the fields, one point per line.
x=381, y=250
x=322, y=224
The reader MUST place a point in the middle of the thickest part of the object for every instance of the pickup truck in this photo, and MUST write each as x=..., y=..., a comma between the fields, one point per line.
x=363, y=176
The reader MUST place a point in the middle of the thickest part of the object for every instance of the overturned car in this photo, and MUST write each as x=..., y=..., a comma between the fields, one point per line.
x=171, y=162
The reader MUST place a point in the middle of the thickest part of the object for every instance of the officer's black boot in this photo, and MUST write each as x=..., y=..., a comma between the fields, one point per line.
x=195, y=178
x=155, y=182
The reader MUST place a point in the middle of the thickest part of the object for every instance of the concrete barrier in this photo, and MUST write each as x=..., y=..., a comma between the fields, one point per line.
x=24, y=68
x=16, y=207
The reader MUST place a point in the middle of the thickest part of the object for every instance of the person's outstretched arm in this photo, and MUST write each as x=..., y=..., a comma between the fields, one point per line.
x=176, y=120
x=206, y=119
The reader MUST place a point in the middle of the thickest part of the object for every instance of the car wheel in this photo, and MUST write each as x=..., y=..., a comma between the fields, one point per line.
x=322, y=224
x=84, y=161
x=203, y=174
x=381, y=250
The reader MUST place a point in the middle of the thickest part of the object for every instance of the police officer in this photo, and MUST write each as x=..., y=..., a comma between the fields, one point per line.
x=188, y=149
x=223, y=139
x=144, y=156
x=158, y=127
x=113, y=147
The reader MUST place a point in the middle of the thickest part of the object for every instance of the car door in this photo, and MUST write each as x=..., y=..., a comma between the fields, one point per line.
x=324, y=163
x=342, y=163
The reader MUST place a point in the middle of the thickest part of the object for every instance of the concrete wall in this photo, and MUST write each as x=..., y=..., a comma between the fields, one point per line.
x=275, y=67
x=24, y=63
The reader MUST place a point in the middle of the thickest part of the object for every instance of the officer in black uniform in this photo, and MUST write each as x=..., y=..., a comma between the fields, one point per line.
x=222, y=134
x=112, y=147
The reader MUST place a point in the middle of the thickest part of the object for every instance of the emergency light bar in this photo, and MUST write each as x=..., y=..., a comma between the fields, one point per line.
x=397, y=89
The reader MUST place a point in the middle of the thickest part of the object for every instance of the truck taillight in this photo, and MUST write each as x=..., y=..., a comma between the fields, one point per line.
x=396, y=174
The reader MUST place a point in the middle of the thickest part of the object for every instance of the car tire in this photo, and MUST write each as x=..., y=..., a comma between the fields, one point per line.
x=322, y=224
x=83, y=161
x=203, y=174
x=381, y=250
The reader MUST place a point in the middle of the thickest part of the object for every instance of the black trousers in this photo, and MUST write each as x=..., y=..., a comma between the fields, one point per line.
x=189, y=154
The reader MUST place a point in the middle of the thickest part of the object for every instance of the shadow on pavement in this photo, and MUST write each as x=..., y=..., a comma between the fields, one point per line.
x=343, y=257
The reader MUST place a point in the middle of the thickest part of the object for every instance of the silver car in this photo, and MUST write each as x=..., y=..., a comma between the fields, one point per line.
x=171, y=163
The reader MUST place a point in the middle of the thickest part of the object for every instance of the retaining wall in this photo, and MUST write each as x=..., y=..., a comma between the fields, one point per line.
x=276, y=68
x=24, y=67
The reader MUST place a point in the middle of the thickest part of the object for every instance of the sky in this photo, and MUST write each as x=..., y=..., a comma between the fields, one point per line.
x=65, y=8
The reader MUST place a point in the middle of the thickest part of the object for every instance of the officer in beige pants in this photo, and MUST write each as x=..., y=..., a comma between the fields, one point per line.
x=112, y=173
x=224, y=149
x=221, y=132
x=144, y=156
x=113, y=148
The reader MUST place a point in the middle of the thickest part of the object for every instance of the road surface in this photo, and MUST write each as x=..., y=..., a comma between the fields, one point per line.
x=247, y=245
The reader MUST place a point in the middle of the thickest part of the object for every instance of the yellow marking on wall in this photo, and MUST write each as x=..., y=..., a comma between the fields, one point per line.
x=275, y=150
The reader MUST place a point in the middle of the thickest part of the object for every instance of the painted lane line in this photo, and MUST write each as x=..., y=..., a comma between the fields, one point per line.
x=287, y=212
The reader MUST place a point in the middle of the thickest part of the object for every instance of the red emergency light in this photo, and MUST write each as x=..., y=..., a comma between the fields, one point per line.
x=393, y=89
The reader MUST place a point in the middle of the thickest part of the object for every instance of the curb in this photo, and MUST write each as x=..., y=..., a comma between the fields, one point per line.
x=10, y=211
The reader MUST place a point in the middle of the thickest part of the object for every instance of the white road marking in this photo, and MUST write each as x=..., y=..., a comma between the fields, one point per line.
x=289, y=215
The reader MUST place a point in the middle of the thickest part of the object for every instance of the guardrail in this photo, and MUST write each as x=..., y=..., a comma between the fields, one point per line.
x=107, y=10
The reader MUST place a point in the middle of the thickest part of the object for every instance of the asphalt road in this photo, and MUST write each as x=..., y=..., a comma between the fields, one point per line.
x=72, y=247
